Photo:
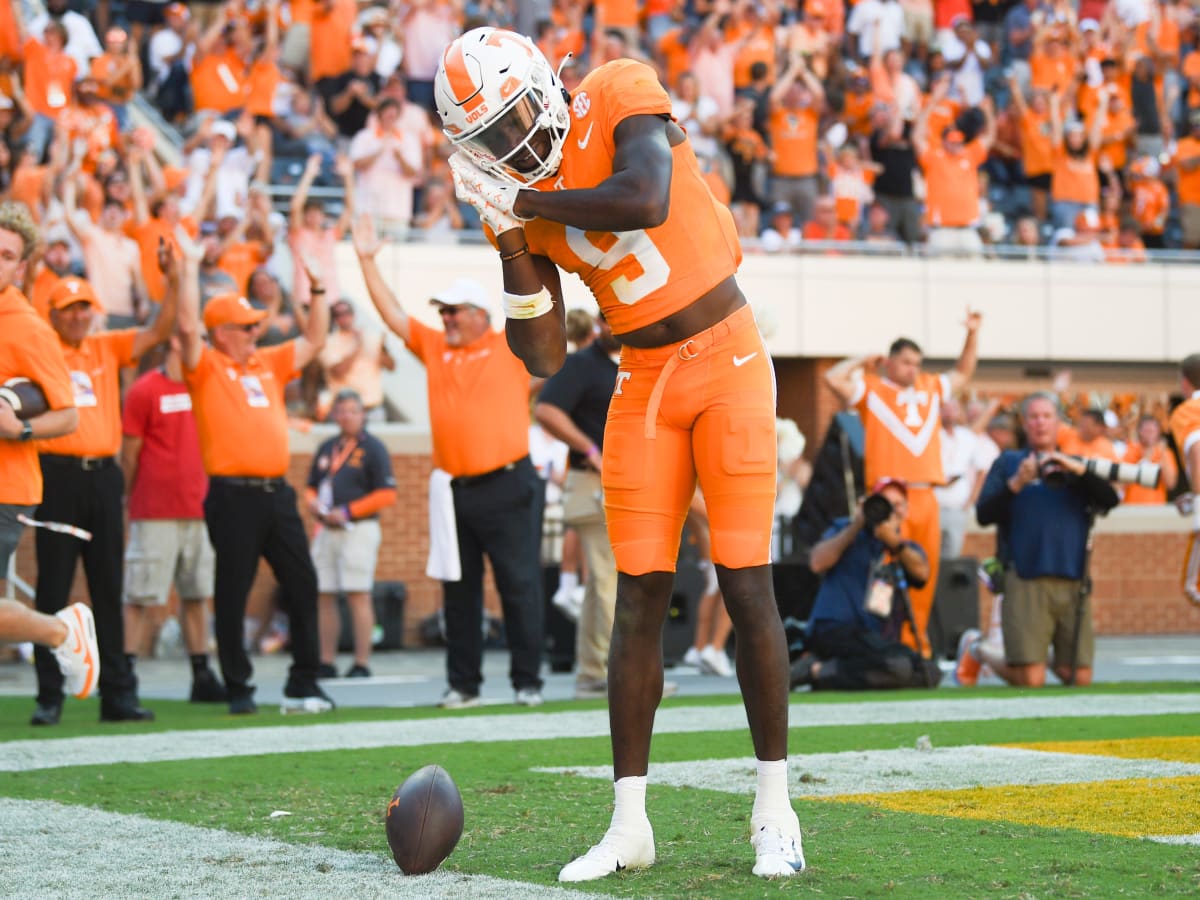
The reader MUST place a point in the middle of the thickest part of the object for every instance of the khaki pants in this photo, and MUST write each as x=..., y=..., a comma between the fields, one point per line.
x=583, y=511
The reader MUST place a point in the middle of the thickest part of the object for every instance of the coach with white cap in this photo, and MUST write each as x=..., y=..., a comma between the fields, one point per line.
x=479, y=414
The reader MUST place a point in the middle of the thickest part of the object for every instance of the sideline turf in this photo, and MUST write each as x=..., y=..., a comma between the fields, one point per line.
x=525, y=825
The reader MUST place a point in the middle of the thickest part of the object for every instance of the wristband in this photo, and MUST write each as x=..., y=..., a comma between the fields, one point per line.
x=528, y=306
x=516, y=254
x=316, y=291
x=27, y=431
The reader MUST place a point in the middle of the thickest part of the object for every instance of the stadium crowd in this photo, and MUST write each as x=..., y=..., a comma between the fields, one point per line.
x=948, y=124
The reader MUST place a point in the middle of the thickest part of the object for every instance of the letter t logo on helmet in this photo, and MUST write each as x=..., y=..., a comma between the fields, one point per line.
x=502, y=105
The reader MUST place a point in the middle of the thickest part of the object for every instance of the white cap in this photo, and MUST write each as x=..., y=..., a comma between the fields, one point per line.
x=1089, y=25
x=224, y=128
x=464, y=291
x=1110, y=419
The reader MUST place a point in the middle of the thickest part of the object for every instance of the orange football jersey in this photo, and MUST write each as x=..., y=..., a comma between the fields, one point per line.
x=903, y=427
x=637, y=277
x=1185, y=428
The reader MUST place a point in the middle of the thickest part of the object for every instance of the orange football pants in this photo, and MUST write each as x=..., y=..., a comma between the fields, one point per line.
x=702, y=408
x=923, y=526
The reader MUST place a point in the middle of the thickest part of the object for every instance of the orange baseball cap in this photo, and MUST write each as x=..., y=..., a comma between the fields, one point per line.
x=73, y=290
x=231, y=309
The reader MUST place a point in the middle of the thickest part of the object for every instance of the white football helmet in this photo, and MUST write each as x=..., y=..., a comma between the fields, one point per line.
x=502, y=104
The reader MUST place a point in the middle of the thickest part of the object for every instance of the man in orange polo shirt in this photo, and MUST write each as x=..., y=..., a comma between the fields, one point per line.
x=237, y=399
x=477, y=387
x=29, y=349
x=900, y=406
x=85, y=488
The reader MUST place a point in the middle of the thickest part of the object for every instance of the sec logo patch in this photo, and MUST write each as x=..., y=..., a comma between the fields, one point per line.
x=581, y=105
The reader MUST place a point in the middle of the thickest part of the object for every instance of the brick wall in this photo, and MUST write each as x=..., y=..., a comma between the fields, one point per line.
x=1135, y=578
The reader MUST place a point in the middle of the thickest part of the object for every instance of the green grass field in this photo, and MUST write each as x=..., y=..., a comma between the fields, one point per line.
x=523, y=825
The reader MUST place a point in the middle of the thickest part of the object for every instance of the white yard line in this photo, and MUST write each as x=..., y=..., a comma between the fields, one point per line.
x=893, y=771
x=1189, y=840
x=18, y=756
x=51, y=850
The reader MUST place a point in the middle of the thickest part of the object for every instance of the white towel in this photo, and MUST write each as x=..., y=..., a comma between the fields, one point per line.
x=443, y=563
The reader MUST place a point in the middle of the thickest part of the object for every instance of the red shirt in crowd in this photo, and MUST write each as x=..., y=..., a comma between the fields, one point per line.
x=169, y=482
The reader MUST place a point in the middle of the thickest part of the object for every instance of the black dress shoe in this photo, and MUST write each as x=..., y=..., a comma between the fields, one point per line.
x=46, y=714
x=127, y=711
x=242, y=705
x=207, y=688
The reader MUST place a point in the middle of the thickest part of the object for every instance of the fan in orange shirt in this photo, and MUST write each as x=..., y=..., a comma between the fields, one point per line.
x=1186, y=163
x=1149, y=201
x=1088, y=437
x=118, y=73
x=1052, y=65
x=1150, y=447
x=951, y=171
x=1118, y=133
x=1074, y=182
x=824, y=224
x=794, y=114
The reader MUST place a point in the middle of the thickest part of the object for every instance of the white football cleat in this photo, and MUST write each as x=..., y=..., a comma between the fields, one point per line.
x=616, y=852
x=79, y=655
x=776, y=853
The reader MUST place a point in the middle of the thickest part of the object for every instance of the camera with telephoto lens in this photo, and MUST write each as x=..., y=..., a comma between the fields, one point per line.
x=1144, y=473
x=876, y=509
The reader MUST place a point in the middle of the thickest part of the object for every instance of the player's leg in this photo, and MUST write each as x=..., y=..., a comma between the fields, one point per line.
x=735, y=448
x=648, y=484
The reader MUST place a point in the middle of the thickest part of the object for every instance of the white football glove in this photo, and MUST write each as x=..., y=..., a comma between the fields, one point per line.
x=492, y=198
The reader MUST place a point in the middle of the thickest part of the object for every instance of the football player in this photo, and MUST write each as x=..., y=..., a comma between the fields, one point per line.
x=1185, y=428
x=603, y=184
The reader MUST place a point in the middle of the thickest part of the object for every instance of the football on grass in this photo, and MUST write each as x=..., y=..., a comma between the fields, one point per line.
x=424, y=820
x=25, y=397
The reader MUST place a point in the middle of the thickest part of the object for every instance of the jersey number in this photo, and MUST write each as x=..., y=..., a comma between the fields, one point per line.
x=636, y=266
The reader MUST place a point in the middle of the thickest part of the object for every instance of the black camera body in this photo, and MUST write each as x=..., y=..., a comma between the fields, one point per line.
x=877, y=509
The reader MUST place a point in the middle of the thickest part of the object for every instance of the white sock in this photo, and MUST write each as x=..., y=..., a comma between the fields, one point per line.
x=771, y=803
x=629, y=807
x=568, y=581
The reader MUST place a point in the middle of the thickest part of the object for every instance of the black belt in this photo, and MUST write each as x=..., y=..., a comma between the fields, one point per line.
x=258, y=484
x=472, y=480
x=86, y=463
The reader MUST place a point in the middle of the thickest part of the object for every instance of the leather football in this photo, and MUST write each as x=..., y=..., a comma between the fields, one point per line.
x=424, y=820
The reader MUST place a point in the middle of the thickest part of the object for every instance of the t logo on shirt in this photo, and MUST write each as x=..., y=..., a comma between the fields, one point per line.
x=912, y=401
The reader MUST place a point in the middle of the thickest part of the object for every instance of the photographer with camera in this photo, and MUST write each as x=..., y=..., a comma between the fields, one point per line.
x=1044, y=502
x=853, y=638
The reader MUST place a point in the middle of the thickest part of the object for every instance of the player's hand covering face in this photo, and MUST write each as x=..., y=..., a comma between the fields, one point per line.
x=492, y=198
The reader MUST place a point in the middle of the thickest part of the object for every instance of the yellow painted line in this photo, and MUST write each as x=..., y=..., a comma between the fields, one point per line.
x=1135, y=808
x=1174, y=749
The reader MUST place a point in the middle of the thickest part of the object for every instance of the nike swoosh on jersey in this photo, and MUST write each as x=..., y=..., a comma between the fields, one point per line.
x=587, y=136
x=740, y=361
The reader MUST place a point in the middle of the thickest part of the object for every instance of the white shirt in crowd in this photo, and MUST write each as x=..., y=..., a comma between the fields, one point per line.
x=962, y=460
x=889, y=15
x=967, y=83
x=233, y=181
